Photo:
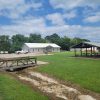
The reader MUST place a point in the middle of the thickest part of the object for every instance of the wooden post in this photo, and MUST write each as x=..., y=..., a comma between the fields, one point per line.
x=81, y=51
x=27, y=60
x=86, y=51
x=17, y=62
x=6, y=63
x=91, y=51
x=35, y=60
x=75, y=51
x=94, y=53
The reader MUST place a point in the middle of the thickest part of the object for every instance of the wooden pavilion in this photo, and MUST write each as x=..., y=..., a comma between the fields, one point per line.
x=87, y=49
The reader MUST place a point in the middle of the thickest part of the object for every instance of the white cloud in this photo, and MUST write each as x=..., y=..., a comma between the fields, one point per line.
x=56, y=19
x=66, y=4
x=38, y=26
x=10, y=3
x=40, y=22
x=93, y=18
x=24, y=26
x=70, y=4
x=15, y=8
x=70, y=15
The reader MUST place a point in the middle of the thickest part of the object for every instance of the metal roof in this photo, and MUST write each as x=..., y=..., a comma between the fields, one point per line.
x=86, y=45
x=41, y=45
x=96, y=44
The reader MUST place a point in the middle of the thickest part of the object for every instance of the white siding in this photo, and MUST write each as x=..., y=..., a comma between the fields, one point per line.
x=56, y=49
x=25, y=48
x=39, y=50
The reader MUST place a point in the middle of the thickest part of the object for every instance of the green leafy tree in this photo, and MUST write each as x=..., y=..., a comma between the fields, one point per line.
x=76, y=40
x=65, y=43
x=54, y=38
x=4, y=43
x=17, y=41
x=35, y=38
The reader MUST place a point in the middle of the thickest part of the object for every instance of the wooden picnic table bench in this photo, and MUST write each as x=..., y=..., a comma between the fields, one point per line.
x=12, y=64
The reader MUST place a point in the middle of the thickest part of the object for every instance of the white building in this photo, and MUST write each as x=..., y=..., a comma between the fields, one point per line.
x=41, y=47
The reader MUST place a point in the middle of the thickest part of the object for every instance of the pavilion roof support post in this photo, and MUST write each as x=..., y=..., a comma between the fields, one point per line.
x=81, y=51
x=86, y=52
x=91, y=51
x=94, y=51
x=75, y=51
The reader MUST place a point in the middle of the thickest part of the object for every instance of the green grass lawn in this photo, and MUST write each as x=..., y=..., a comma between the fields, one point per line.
x=12, y=89
x=85, y=72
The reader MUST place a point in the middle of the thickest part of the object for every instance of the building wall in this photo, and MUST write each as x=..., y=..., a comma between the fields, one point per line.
x=25, y=48
x=56, y=50
x=72, y=49
x=39, y=50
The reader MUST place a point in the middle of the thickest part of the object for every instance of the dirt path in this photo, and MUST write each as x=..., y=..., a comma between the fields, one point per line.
x=51, y=86
x=22, y=55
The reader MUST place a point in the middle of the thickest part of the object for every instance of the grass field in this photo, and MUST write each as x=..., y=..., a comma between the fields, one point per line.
x=85, y=72
x=11, y=89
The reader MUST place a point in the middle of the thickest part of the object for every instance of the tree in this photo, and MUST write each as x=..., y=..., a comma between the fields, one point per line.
x=36, y=38
x=65, y=43
x=54, y=38
x=76, y=40
x=17, y=41
x=4, y=43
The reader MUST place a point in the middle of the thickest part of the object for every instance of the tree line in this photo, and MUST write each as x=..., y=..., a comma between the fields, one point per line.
x=15, y=43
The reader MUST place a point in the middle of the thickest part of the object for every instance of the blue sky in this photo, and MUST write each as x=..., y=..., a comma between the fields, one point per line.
x=72, y=18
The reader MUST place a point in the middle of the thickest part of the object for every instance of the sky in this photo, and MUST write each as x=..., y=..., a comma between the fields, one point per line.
x=72, y=18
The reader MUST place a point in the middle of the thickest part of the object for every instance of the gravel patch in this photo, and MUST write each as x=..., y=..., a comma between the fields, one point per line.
x=21, y=55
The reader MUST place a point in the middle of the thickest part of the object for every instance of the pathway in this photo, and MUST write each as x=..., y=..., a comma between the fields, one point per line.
x=51, y=86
